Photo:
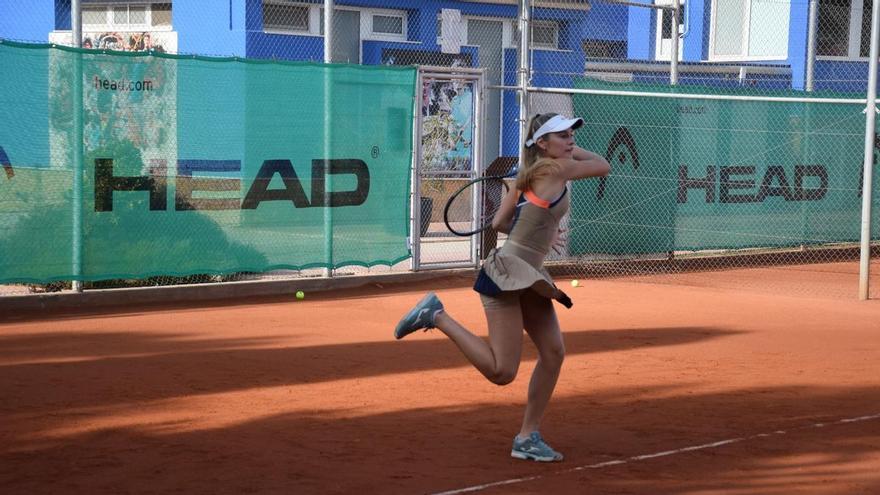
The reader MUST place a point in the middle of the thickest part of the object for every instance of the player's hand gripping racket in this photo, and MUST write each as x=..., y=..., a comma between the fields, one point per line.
x=487, y=191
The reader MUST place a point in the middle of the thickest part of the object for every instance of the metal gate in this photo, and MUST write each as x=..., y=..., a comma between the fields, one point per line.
x=448, y=153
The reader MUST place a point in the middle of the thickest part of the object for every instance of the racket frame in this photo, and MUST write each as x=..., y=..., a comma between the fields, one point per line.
x=480, y=183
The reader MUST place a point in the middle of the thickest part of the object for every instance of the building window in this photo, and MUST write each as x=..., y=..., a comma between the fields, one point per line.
x=280, y=16
x=286, y=17
x=161, y=15
x=388, y=24
x=844, y=28
x=126, y=17
x=137, y=15
x=666, y=22
x=379, y=24
x=93, y=17
x=509, y=30
x=545, y=34
x=749, y=29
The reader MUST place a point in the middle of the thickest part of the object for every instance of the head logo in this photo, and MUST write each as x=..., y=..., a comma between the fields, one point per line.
x=621, y=149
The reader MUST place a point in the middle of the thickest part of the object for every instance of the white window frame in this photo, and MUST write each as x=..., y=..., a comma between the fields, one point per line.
x=508, y=27
x=854, y=42
x=314, y=19
x=367, y=25
x=745, y=39
x=508, y=32
x=367, y=33
x=111, y=26
x=658, y=30
x=366, y=21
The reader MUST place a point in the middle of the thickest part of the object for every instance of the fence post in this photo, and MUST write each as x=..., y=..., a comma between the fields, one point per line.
x=328, y=176
x=673, y=50
x=77, y=95
x=416, y=227
x=811, y=43
x=524, y=74
x=867, y=193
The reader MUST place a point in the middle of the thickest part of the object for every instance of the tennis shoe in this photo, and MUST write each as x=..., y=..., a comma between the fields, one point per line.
x=421, y=316
x=534, y=448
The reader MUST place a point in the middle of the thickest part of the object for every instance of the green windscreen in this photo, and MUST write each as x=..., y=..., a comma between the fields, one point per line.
x=693, y=174
x=195, y=165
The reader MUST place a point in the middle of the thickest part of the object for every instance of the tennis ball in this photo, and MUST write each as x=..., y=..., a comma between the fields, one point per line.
x=300, y=294
x=575, y=283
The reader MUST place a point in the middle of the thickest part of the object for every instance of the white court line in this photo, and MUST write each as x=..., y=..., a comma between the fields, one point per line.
x=476, y=488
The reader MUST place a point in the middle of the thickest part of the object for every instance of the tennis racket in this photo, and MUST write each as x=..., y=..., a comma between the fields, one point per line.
x=471, y=208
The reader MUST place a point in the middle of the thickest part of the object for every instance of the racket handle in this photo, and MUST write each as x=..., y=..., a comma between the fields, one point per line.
x=563, y=299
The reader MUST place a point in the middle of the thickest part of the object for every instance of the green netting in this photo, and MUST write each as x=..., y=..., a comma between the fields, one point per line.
x=196, y=165
x=694, y=174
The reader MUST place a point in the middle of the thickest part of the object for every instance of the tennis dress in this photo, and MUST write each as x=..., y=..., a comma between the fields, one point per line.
x=518, y=264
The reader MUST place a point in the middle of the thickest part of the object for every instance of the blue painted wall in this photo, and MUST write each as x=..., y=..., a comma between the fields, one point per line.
x=642, y=25
x=62, y=14
x=798, y=33
x=830, y=75
x=841, y=76
x=204, y=28
x=210, y=28
x=27, y=23
x=696, y=35
x=284, y=47
x=421, y=23
x=551, y=68
x=605, y=21
x=640, y=43
x=234, y=27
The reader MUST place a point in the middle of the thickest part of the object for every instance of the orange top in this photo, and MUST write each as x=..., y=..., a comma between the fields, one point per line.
x=535, y=200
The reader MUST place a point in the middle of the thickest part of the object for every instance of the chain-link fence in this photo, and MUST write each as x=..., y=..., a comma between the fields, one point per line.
x=744, y=153
x=739, y=173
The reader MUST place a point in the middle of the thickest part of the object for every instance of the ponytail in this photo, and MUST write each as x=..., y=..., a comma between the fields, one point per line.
x=531, y=152
x=537, y=170
x=534, y=167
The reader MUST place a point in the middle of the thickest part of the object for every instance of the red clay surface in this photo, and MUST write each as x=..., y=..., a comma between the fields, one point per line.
x=315, y=396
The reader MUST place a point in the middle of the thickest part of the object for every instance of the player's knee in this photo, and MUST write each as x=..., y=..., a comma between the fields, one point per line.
x=503, y=376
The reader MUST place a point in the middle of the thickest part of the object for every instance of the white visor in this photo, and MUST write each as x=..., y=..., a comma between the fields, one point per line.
x=557, y=123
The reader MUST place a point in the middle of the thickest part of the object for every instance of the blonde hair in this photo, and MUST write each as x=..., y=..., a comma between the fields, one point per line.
x=539, y=169
x=534, y=167
x=531, y=152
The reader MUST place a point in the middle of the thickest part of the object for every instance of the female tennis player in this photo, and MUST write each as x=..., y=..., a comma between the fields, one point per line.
x=515, y=289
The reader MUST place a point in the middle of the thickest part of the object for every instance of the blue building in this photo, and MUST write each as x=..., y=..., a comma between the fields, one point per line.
x=366, y=32
x=722, y=42
x=762, y=34
x=751, y=32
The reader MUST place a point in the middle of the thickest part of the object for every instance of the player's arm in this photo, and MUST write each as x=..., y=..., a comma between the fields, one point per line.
x=503, y=220
x=584, y=164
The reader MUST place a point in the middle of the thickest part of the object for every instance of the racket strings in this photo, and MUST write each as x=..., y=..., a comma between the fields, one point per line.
x=472, y=208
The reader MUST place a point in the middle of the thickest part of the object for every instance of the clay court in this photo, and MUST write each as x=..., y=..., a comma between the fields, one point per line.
x=691, y=387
